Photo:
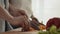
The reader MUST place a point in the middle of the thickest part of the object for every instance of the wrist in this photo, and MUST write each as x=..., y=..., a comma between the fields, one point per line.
x=10, y=19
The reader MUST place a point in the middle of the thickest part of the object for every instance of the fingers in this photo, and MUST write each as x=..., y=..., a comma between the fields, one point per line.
x=25, y=25
x=22, y=20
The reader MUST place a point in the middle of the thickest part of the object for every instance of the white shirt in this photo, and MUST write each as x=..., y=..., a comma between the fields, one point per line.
x=23, y=4
x=2, y=22
x=4, y=4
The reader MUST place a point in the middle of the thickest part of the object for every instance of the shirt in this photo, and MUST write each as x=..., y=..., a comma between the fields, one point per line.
x=2, y=22
x=24, y=5
x=4, y=4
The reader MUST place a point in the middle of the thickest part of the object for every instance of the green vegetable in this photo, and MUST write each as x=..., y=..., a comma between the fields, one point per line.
x=53, y=28
x=42, y=32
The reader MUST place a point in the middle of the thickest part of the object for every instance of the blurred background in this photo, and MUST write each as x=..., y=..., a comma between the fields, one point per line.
x=46, y=9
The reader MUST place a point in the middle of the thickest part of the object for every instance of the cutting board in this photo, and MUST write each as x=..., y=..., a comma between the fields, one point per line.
x=18, y=31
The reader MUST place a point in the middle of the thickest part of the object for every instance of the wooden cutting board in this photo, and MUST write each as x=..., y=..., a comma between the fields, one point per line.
x=18, y=31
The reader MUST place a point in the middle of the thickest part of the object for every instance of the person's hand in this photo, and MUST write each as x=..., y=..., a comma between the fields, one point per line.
x=20, y=21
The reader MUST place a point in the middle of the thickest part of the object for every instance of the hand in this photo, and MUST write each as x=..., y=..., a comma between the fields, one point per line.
x=20, y=21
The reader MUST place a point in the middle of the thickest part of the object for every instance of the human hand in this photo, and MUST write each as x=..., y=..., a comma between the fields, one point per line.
x=20, y=21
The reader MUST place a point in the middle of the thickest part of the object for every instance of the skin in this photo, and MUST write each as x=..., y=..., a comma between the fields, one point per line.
x=15, y=20
x=5, y=15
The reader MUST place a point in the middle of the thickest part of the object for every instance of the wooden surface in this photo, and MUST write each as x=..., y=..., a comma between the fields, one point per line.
x=17, y=32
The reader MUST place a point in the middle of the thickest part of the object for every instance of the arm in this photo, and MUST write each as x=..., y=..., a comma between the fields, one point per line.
x=16, y=21
x=5, y=15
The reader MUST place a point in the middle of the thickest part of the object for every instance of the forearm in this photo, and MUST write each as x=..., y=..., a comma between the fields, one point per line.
x=5, y=15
